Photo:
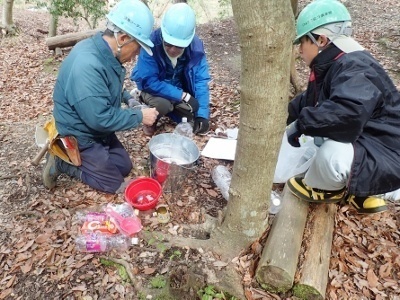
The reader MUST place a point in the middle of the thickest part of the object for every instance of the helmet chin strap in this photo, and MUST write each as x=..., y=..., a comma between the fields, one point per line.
x=344, y=29
x=312, y=38
x=119, y=46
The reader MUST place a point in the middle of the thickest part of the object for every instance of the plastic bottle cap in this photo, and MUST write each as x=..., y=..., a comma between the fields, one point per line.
x=184, y=120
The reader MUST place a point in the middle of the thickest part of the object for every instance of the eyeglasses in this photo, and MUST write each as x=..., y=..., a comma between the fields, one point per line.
x=167, y=45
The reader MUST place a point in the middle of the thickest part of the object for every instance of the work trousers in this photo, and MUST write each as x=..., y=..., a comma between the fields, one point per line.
x=331, y=167
x=105, y=164
x=167, y=107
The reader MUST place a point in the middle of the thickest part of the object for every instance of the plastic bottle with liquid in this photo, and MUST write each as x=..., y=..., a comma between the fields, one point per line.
x=222, y=179
x=96, y=242
x=184, y=128
x=276, y=203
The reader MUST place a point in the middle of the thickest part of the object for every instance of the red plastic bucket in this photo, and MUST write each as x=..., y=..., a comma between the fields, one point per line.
x=143, y=193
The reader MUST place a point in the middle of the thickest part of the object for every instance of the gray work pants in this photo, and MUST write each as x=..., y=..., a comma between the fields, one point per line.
x=331, y=167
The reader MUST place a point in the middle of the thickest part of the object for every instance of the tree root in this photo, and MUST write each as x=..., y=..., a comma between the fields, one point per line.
x=26, y=213
x=127, y=267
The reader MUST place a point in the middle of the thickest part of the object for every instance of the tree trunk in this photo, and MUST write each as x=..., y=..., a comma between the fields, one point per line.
x=294, y=76
x=294, y=4
x=265, y=33
x=53, y=25
x=7, y=24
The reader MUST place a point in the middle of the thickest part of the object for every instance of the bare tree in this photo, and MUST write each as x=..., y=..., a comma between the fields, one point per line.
x=266, y=32
x=7, y=24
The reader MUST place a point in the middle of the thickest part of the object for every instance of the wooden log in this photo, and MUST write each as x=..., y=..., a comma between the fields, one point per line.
x=69, y=39
x=314, y=274
x=278, y=262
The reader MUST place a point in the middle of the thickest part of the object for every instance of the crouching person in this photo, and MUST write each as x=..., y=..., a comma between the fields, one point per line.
x=175, y=79
x=352, y=107
x=88, y=95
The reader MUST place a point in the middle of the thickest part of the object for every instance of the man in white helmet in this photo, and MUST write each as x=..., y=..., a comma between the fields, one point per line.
x=88, y=95
x=175, y=79
x=352, y=108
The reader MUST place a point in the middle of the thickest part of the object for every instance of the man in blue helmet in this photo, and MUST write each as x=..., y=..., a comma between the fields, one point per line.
x=88, y=95
x=352, y=107
x=175, y=79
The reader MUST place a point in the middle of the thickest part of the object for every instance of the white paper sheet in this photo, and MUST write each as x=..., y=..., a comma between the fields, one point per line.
x=220, y=149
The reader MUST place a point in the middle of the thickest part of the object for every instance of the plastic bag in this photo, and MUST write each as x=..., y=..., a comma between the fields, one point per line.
x=293, y=161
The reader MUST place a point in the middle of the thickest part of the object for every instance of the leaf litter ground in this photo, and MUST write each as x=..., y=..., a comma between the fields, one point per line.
x=37, y=254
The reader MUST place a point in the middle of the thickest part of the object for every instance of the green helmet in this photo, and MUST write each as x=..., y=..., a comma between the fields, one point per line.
x=319, y=13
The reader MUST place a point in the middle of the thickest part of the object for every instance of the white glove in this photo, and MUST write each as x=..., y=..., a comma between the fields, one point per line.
x=135, y=93
x=133, y=102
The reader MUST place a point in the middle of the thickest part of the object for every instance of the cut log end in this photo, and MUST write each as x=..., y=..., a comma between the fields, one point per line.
x=274, y=279
x=304, y=291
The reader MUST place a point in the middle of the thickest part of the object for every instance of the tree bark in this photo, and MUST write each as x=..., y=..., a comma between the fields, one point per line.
x=265, y=33
x=68, y=40
x=314, y=274
x=53, y=25
x=294, y=76
x=278, y=262
x=7, y=24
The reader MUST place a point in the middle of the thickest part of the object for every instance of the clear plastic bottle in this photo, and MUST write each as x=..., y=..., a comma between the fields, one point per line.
x=124, y=209
x=95, y=242
x=184, y=128
x=222, y=179
x=89, y=216
x=276, y=203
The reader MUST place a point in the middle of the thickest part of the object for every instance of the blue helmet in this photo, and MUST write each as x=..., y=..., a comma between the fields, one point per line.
x=178, y=25
x=135, y=19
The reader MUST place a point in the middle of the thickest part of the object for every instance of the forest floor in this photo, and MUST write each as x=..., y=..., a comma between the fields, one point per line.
x=38, y=259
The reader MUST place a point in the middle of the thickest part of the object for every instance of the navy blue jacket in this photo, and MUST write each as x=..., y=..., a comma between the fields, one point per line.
x=351, y=99
x=150, y=72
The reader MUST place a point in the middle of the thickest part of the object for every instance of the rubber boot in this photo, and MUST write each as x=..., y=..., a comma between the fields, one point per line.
x=68, y=169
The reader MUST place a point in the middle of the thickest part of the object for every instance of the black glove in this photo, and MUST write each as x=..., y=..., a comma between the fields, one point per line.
x=191, y=102
x=194, y=104
x=293, y=133
x=201, y=126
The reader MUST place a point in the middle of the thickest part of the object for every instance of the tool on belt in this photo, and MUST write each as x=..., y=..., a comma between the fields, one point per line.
x=65, y=147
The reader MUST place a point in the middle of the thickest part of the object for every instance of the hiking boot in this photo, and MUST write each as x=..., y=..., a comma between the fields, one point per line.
x=297, y=186
x=150, y=130
x=367, y=205
x=50, y=172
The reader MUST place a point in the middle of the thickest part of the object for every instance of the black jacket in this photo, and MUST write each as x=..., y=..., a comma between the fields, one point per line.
x=351, y=99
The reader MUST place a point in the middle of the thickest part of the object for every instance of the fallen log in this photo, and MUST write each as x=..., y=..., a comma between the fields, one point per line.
x=69, y=39
x=278, y=263
x=314, y=274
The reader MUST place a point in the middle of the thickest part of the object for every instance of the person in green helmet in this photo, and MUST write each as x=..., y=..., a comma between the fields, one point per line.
x=352, y=108
x=87, y=99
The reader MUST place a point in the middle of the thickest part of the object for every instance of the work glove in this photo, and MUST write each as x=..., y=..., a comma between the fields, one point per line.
x=293, y=133
x=201, y=126
x=191, y=102
x=135, y=94
x=133, y=102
